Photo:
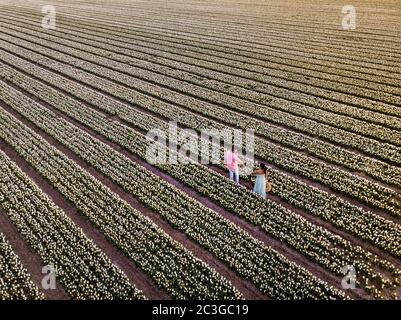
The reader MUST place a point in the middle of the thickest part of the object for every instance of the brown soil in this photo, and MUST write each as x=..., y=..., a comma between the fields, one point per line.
x=31, y=261
x=251, y=229
x=136, y=276
x=245, y=287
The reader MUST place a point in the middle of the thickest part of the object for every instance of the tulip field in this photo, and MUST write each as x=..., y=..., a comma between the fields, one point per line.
x=80, y=197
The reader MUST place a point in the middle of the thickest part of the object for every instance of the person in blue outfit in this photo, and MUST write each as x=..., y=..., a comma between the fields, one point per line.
x=260, y=182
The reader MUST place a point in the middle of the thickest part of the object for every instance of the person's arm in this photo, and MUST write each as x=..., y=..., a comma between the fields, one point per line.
x=256, y=172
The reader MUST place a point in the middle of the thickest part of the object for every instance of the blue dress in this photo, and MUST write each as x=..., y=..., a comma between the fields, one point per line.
x=260, y=185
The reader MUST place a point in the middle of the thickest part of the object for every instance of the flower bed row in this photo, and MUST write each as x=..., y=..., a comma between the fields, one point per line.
x=208, y=65
x=255, y=61
x=348, y=183
x=318, y=244
x=271, y=272
x=166, y=262
x=382, y=171
x=15, y=281
x=81, y=268
x=350, y=124
x=240, y=105
x=383, y=233
x=211, y=48
x=211, y=36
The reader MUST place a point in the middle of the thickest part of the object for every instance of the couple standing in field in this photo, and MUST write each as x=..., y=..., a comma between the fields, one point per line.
x=233, y=162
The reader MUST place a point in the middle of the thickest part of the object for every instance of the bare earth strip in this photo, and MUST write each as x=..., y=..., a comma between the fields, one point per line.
x=134, y=274
x=30, y=259
x=79, y=126
x=251, y=229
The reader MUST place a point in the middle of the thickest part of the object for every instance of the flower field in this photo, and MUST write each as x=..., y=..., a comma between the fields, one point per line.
x=78, y=189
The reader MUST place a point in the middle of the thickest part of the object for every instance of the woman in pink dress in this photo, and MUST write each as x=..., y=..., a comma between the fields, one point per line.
x=232, y=161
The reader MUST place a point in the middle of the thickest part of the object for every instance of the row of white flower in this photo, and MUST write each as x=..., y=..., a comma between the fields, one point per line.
x=340, y=180
x=211, y=67
x=324, y=150
x=313, y=242
x=327, y=249
x=381, y=235
x=221, y=27
x=300, y=121
x=364, y=224
x=238, y=39
x=15, y=281
x=237, y=44
x=81, y=268
x=171, y=54
x=147, y=122
x=158, y=31
x=162, y=34
x=340, y=121
x=232, y=103
x=270, y=217
x=166, y=262
x=134, y=40
x=271, y=272
x=202, y=28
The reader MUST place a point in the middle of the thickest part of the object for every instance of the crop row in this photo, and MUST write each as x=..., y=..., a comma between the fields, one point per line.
x=321, y=149
x=237, y=74
x=339, y=136
x=312, y=199
x=146, y=122
x=222, y=24
x=298, y=91
x=236, y=53
x=230, y=54
x=194, y=68
x=258, y=63
x=223, y=21
x=167, y=262
x=382, y=171
x=211, y=36
x=284, y=32
x=15, y=281
x=276, y=40
x=334, y=209
x=318, y=244
x=245, y=47
x=277, y=35
x=146, y=80
x=82, y=269
x=360, y=188
x=271, y=272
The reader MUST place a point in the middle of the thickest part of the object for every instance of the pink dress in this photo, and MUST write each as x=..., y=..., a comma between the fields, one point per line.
x=232, y=161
